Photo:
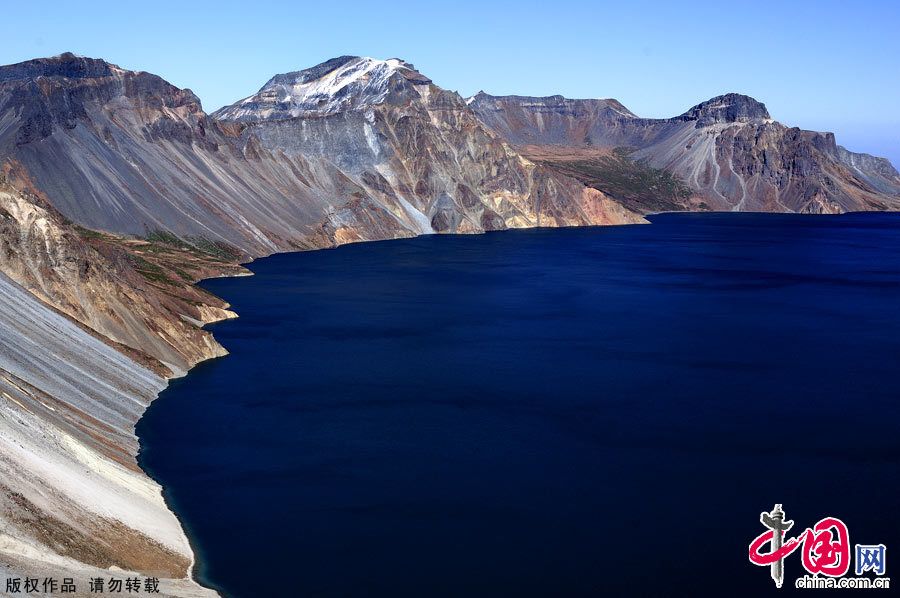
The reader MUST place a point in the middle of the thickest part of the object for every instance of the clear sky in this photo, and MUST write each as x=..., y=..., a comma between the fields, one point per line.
x=824, y=65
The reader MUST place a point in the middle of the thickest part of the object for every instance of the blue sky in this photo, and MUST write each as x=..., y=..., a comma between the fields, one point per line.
x=822, y=65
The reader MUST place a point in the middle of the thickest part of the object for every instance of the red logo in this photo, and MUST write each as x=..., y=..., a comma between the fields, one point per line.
x=824, y=547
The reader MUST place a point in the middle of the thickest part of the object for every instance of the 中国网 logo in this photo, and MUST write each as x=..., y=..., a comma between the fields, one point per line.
x=824, y=553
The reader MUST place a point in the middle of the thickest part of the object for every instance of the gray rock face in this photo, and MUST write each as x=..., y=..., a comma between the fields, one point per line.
x=68, y=404
x=340, y=84
x=877, y=172
x=553, y=120
x=728, y=108
x=352, y=149
x=127, y=152
x=65, y=65
x=90, y=327
x=413, y=150
x=98, y=287
x=727, y=149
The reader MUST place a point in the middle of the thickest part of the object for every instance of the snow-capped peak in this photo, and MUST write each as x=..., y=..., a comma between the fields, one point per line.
x=337, y=85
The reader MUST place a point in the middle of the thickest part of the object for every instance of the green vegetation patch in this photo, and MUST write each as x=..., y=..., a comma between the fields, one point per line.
x=634, y=183
x=149, y=270
x=217, y=249
x=164, y=237
x=87, y=233
x=162, y=240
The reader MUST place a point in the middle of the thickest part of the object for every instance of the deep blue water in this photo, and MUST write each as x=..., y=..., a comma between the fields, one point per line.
x=542, y=412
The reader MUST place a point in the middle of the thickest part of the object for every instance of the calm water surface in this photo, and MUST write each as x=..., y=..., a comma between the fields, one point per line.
x=544, y=412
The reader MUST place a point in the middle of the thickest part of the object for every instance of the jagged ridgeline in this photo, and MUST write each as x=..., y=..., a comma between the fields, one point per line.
x=352, y=149
x=727, y=151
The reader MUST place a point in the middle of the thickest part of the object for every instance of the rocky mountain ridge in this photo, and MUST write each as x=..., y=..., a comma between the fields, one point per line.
x=728, y=150
x=414, y=150
x=339, y=84
x=126, y=152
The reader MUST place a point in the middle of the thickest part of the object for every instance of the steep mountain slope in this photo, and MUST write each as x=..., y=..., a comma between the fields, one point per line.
x=412, y=154
x=555, y=120
x=68, y=403
x=112, y=290
x=89, y=330
x=127, y=152
x=728, y=150
x=117, y=192
x=361, y=149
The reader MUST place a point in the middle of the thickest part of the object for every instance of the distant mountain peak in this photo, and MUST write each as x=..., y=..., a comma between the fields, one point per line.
x=342, y=70
x=311, y=73
x=339, y=84
x=485, y=101
x=727, y=108
x=67, y=64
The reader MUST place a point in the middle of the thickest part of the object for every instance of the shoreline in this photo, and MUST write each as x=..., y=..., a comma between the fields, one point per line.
x=194, y=574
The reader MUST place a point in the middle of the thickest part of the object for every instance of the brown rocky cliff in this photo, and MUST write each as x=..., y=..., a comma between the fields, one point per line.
x=728, y=150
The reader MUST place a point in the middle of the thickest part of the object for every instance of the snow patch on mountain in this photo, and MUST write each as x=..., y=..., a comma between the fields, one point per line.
x=338, y=85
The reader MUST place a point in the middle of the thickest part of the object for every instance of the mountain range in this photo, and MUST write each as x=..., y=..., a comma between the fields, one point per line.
x=118, y=192
x=724, y=154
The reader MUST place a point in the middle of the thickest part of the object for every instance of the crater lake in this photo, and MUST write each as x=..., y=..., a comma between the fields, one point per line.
x=560, y=412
